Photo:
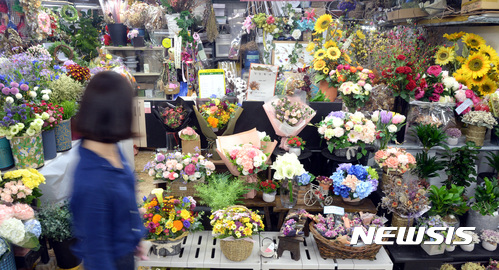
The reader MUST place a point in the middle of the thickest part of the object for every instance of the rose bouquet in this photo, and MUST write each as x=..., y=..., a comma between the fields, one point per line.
x=406, y=199
x=173, y=117
x=247, y=158
x=172, y=166
x=354, y=181
x=395, y=160
x=436, y=86
x=268, y=186
x=52, y=114
x=21, y=186
x=236, y=221
x=344, y=130
x=166, y=217
x=401, y=77
x=288, y=115
x=478, y=103
x=355, y=85
x=387, y=124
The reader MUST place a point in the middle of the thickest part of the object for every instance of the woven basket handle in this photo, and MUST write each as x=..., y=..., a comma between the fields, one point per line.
x=272, y=240
x=237, y=206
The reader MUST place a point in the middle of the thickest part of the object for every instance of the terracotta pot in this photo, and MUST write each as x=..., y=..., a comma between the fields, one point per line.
x=330, y=91
x=324, y=186
x=349, y=201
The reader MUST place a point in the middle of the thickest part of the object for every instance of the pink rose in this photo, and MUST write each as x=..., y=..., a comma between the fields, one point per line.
x=23, y=211
x=210, y=165
x=371, y=76
x=469, y=93
x=434, y=70
x=190, y=169
x=361, y=83
x=419, y=93
x=171, y=176
x=439, y=88
x=179, y=166
x=434, y=97
x=398, y=118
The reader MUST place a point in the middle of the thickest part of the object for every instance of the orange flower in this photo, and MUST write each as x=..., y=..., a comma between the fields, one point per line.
x=212, y=121
x=177, y=224
x=353, y=69
x=341, y=78
x=156, y=218
x=359, y=68
x=153, y=203
x=395, y=204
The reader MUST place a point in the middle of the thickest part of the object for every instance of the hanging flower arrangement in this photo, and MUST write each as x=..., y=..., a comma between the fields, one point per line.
x=44, y=22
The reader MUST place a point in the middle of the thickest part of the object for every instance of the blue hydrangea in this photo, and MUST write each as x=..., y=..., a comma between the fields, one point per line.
x=33, y=226
x=344, y=167
x=304, y=179
x=343, y=191
x=338, y=178
x=362, y=189
x=374, y=183
x=4, y=247
x=359, y=171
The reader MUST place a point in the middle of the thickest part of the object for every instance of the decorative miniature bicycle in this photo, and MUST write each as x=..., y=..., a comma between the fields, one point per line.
x=317, y=193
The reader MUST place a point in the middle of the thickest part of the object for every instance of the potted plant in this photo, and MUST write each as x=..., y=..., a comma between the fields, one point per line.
x=490, y=239
x=221, y=190
x=324, y=182
x=296, y=145
x=478, y=123
x=65, y=88
x=453, y=135
x=394, y=162
x=427, y=167
x=56, y=227
x=63, y=129
x=451, y=247
x=432, y=221
x=493, y=161
x=475, y=240
x=483, y=213
x=429, y=136
x=287, y=169
x=447, y=203
x=269, y=189
x=52, y=115
x=460, y=165
x=354, y=182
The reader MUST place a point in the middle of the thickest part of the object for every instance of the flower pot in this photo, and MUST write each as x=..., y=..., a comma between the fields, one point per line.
x=138, y=42
x=165, y=248
x=475, y=219
x=489, y=246
x=117, y=31
x=63, y=136
x=6, y=159
x=289, y=192
x=325, y=186
x=451, y=221
x=401, y=221
x=433, y=249
x=27, y=151
x=329, y=91
x=269, y=197
x=8, y=261
x=468, y=248
x=49, y=144
x=476, y=134
x=450, y=248
x=349, y=201
x=349, y=152
x=452, y=141
x=295, y=150
x=65, y=258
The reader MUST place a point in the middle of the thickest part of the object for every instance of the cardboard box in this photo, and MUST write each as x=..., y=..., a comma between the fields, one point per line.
x=473, y=5
x=406, y=13
x=190, y=146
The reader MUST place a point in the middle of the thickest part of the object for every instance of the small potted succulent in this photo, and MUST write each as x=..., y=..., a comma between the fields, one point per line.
x=490, y=239
x=453, y=135
x=269, y=189
x=296, y=145
x=475, y=240
x=451, y=247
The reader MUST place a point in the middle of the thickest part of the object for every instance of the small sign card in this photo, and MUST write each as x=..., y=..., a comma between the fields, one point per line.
x=261, y=82
x=467, y=103
x=336, y=210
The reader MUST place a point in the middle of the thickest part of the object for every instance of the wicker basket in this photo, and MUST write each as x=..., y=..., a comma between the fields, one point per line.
x=476, y=134
x=334, y=250
x=239, y=249
x=389, y=178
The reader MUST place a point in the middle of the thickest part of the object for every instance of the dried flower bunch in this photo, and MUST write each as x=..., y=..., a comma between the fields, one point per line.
x=453, y=132
x=405, y=199
x=136, y=15
x=490, y=236
x=480, y=118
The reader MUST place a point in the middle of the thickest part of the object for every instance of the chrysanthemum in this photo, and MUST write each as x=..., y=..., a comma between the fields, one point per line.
x=444, y=55
x=333, y=53
x=477, y=65
x=473, y=41
x=488, y=87
x=329, y=44
x=322, y=24
x=319, y=65
x=489, y=52
x=454, y=36
x=320, y=54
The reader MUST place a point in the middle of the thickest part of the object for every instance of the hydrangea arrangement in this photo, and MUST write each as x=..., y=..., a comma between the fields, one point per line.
x=21, y=186
x=172, y=166
x=395, y=159
x=354, y=181
x=247, y=158
x=166, y=217
x=490, y=236
x=24, y=234
x=342, y=130
x=480, y=118
x=236, y=221
x=388, y=124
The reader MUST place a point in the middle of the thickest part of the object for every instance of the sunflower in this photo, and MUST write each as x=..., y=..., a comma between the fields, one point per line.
x=333, y=53
x=488, y=87
x=476, y=65
x=489, y=52
x=478, y=80
x=462, y=79
x=347, y=58
x=338, y=33
x=460, y=59
x=320, y=54
x=319, y=65
x=322, y=24
x=330, y=44
x=473, y=41
x=444, y=56
x=326, y=71
x=454, y=36
x=310, y=47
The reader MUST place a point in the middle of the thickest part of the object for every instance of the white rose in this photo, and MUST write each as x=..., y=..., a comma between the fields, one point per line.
x=9, y=100
x=36, y=88
x=19, y=96
x=375, y=116
x=368, y=87
x=32, y=94
x=329, y=133
x=14, y=130
x=12, y=229
x=45, y=97
x=187, y=161
x=296, y=34
x=175, y=175
x=337, y=122
x=197, y=174
x=392, y=128
x=20, y=126
x=45, y=116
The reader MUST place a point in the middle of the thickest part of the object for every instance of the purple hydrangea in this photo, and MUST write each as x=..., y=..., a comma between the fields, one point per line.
x=338, y=114
x=385, y=117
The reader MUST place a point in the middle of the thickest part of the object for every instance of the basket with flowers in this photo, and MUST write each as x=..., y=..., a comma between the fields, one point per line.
x=354, y=182
x=394, y=162
x=236, y=225
x=168, y=220
x=354, y=85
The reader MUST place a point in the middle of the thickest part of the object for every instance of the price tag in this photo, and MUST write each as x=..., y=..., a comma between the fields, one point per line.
x=467, y=103
x=183, y=188
x=334, y=210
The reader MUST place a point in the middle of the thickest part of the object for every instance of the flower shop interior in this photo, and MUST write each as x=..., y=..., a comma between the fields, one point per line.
x=266, y=133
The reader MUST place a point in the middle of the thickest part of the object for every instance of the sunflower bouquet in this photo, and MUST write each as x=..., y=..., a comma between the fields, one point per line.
x=476, y=67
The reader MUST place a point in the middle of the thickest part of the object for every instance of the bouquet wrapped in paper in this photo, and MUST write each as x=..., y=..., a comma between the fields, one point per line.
x=243, y=154
x=174, y=117
x=288, y=115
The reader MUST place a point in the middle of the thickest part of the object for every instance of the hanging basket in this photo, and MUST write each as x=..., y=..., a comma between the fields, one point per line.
x=239, y=249
x=27, y=151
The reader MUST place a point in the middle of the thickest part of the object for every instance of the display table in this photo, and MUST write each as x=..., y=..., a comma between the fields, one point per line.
x=201, y=250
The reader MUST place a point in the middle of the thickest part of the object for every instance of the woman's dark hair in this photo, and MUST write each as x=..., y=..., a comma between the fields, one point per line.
x=105, y=113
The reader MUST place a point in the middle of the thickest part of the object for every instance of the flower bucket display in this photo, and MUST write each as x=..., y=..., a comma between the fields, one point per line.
x=6, y=159
x=117, y=31
x=8, y=261
x=170, y=247
x=49, y=144
x=64, y=256
x=27, y=151
x=63, y=140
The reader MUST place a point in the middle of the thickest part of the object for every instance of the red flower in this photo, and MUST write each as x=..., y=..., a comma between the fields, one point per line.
x=107, y=40
x=401, y=57
x=411, y=85
x=400, y=70
x=272, y=186
x=298, y=143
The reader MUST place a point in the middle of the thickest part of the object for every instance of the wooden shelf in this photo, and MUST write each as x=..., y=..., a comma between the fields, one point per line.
x=142, y=74
x=130, y=48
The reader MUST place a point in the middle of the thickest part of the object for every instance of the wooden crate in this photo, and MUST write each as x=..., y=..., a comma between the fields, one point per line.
x=475, y=5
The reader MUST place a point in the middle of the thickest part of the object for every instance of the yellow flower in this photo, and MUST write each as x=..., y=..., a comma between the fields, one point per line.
x=444, y=56
x=185, y=214
x=473, y=41
x=360, y=34
x=460, y=59
x=488, y=87
x=454, y=36
x=238, y=234
x=326, y=71
x=310, y=46
x=329, y=44
x=169, y=224
x=347, y=58
x=174, y=230
x=319, y=65
x=322, y=24
x=477, y=65
x=320, y=54
x=333, y=53
x=338, y=33
x=478, y=80
x=108, y=56
x=489, y=52
x=159, y=230
x=248, y=231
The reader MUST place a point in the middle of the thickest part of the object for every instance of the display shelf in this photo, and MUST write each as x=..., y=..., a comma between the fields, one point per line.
x=142, y=74
x=453, y=20
x=130, y=48
x=487, y=146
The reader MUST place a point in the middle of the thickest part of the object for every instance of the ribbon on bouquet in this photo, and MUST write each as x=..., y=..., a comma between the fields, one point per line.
x=351, y=151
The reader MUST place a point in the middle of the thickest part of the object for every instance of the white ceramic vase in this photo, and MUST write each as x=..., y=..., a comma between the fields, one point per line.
x=489, y=246
x=433, y=249
x=452, y=141
x=450, y=248
x=295, y=150
x=269, y=197
x=468, y=248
